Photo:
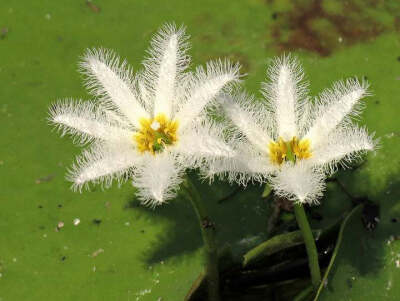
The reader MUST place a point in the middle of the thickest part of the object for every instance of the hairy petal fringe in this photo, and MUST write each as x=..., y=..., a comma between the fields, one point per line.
x=113, y=81
x=286, y=93
x=165, y=66
x=344, y=146
x=205, y=86
x=334, y=107
x=250, y=118
x=299, y=183
x=103, y=163
x=86, y=122
x=158, y=178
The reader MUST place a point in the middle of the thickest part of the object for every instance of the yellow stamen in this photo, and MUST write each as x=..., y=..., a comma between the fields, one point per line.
x=278, y=151
x=301, y=148
x=154, y=141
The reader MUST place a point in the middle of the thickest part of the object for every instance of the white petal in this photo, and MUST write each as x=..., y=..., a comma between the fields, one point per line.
x=170, y=60
x=112, y=80
x=343, y=145
x=247, y=165
x=157, y=178
x=248, y=117
x=85, y=121
x=103, y=163
x=206, y=85
x=165, y=65
x=203, y=142
x=299, y=183
x=333, y=107
x=286, y=93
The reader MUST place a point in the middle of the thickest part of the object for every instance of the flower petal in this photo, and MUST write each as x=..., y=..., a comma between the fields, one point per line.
x=103, y=163
x=157, y=178
x=247, y=165
x=206, y=85
x=249, y=117
x=107, y=77
x=343, y=145
x=167, y=61
x=299, y=183
x=333, y=107
x=202, y=143
x=85, y=121
x=286, y=93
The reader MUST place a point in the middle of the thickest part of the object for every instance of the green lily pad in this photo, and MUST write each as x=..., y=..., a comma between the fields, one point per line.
x=368, y=261
x=119, y=250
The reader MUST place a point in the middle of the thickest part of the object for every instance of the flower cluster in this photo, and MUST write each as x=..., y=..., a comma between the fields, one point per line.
x=153, y=125
x=293, y=142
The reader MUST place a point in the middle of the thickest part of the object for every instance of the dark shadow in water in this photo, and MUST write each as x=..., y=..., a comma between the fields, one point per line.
x=242, y=216
x=366, y=236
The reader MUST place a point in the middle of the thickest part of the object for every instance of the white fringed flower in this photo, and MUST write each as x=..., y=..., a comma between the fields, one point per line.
x=149, y=126
x=289, y=140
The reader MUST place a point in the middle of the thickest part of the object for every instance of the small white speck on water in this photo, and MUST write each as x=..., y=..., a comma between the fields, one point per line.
x=97, y=252
x=77, y=221
x=48, y=16
x=60, y=225
x=142, y=293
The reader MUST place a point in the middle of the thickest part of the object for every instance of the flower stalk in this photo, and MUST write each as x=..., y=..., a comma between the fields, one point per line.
x=309, y=242
x=208, y=233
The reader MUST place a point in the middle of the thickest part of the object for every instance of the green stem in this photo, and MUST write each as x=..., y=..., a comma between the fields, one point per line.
x=311, y=248
x=208, y=233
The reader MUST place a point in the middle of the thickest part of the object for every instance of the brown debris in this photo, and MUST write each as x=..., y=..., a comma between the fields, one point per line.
x=3, y=33
x=311, y=27
x=44, y=179
x=93, y=7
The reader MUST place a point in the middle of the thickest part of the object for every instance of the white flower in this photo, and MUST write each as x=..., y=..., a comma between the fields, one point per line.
x=290, y=140
x=149, y=126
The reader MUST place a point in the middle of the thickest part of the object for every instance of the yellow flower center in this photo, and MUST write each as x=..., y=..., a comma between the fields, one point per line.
x=292, y=150
x=155, y=134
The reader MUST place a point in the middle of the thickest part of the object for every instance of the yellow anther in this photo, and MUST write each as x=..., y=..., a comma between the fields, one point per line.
x=278, y=151
x=155, y=133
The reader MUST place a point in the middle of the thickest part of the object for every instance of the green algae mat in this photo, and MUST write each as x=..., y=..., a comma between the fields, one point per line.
x=102, y=245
